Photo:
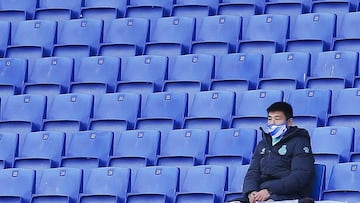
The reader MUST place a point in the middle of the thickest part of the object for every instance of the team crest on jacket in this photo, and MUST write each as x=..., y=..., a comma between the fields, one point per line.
x=262, y=150
x=306, y=149
x=282, y=150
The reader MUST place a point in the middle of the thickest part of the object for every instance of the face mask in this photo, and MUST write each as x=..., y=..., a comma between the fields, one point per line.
x=277, y=130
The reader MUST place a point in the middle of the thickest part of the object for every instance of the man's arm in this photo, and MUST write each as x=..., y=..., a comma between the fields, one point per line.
x=252, y=178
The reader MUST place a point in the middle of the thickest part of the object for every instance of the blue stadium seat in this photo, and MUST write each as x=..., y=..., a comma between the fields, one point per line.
x=115, y=112
x=125, y=37
x=47, y=153
x=190, y=73
x=237, y=72
x=348, y=37
x=312, y=33
x=331, y=145
x=114, y=184
x=69, y=113
x=235, y=182
x=16, y=185
x=318, y=182
x=32, y=109
x=143, y=75
x=12, y=76
x=180, y=32
x=183, y=148
x=8, y=149
x=96, y=75
x=4, y=36
x=250, y=109
x=355, y=154
x=311, y=107
x=58, y=10
x=270, y=40
x=231, y=147
x=285, y=71
x=203, y=184
x=84, y=43
x=135, y=148
x=210, y=110
x=149, y=9
x=164, y=184
x=197, y=8
x=163, y=111
x=58, y=185
x=87, y=149
x=343, y=185
x=218, y=35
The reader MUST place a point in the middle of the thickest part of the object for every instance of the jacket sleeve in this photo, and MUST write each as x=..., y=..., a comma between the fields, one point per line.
x=252, y=178
x=302, y=166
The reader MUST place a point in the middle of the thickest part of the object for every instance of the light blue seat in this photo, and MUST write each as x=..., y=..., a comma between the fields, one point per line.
x=114, y=184
x=135, y=148
x=47, y=153
x=4, y=36
x=149, y=9
x=16, y=185
x=58, y=10
x=58, y=185
x=115, y=112
x=195, y=8
x=12, y=76
x=318, y=182
x=164, y=184
x=8, y=149
x=235, y=182
x=183, y=148
x=348, y=37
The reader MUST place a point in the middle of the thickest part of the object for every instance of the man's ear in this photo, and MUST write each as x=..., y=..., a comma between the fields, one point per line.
x=290, y=121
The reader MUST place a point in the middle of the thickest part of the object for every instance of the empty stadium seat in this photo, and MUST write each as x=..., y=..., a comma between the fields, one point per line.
x=135, y=148
x=331, y=145
x=125, y=37
x=115, y=183
x=69, y=113
x=87, y=149
x=16, y=185
x=143, y=75
x=271, y=39
x=312, y=33
x=58, y=185
x=58, y=10
x=180, y=32
x=231, y=147
x=32, y=108
x=47, y=153
x=12, y=76
x=203, y=184
x=195, y=8
x=4, y=36
x=163, y=111
x=237, y=72
x=318, y=182
x=210, y=110
x=285, y=71
x=310, y=107
x=164, y=184
x=343, y=184
x=183, y=148
x=8, y=149
x=84, y=43
x=235, y=182
x=348, y=36
x=115, y=112
x=149, y=9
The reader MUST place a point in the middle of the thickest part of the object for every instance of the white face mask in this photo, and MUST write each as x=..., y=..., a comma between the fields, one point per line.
x=277, y=130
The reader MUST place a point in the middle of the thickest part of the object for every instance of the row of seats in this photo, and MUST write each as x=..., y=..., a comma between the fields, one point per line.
x=208, y=183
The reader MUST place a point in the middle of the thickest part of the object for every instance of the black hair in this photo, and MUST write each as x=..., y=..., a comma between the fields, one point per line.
x=281, y=106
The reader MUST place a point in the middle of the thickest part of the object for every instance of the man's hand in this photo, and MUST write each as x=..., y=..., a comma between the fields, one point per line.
x=262, y=195
x=251, y=197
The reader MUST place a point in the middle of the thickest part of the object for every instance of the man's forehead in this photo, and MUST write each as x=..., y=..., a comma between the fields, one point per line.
x=276, y=114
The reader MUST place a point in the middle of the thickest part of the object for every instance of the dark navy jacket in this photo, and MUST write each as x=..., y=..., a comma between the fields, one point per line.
x=285, y=169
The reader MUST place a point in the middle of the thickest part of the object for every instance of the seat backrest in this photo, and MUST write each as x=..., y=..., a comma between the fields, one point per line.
x=316, y=26
x=4, y=36
x=108, y=178
x=74, y=6
x=240, y=66
x=60, y=181
x=26, y=6
x=146, y=69
x=350, y=97
x=94, y=144
x=164, y=181
x=178, y=30
x=193, y=67
x=119, y=5
x=186, y=142
x=333, y=140
x=9, y=148
x=137, y=143
x=214, y=104
x=17, y=182
x=166, y=5
x=236, y=178
x=212, y=4
x=344, y=177
x=50, y=145
x=171, y=105
x=13, y=72
x=237, y=142
x=290, y=65
x=336, y=64
x=102, y=69
x=347, y=29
